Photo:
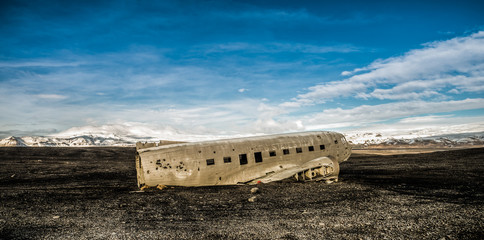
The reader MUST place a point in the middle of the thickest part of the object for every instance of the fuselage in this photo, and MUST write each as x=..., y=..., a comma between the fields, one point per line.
x=234, y=161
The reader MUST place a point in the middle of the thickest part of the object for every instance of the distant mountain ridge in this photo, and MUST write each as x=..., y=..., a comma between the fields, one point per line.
x=39, y=141
x=371, y=140
x=126, y=134
x=12, y=141
x=358, y=140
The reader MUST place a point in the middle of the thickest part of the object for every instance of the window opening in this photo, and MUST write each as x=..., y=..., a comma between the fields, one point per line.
x=227, y=159
x=272, y=153
x=285, y=151
x=298, y=150
x=311, y=148
x=322, y=147
x=258, y=157
x=243, y=159
x=210, y=161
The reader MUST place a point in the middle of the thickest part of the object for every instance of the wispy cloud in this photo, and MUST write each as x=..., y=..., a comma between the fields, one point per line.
x=423, y=73
x=426, y=119
x=276, y=47
x=230, y=66
x=158, y=91
x=369, y=114
x=51, y=96
x=38, y=63
x=293, y=16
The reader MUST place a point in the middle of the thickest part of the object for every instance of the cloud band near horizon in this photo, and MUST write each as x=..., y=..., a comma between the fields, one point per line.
x=236, y=69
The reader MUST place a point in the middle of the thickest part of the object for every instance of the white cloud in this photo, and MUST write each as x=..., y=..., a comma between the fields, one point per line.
x=426, y=119
x=422, y=73
x=371, y=114
x=51, y=96
x=332, y=90
x=269, y=121
x=356, y=70
x=346, y=73
x=418, y=82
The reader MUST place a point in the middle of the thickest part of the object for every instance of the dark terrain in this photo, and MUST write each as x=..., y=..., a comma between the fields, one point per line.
x=91, y=193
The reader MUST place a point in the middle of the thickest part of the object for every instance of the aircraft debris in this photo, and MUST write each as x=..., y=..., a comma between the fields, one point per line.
x=306, y=156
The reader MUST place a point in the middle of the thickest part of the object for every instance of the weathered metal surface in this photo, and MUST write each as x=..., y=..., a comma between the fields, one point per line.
x=308, y=156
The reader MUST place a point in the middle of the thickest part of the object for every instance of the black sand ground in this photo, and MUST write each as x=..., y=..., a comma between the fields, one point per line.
x=89, y=193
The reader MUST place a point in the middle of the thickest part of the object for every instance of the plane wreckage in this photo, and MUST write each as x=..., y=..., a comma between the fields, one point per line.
x=308, y=156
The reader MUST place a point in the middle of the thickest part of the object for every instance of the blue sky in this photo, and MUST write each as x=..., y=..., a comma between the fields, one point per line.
x=241, y=67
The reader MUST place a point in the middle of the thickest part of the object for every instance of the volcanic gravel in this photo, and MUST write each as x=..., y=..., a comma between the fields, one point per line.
x=91, y=193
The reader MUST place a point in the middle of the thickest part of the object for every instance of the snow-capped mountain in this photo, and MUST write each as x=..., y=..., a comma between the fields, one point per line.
x=364, y=140
x=38, y=141
x=127, y=134
x=12, y=141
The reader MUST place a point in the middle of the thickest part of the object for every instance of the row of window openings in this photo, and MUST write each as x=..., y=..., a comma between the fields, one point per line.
x=258, y=155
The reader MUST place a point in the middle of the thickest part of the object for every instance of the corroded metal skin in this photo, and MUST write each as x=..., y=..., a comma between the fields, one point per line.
x=307, y=156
